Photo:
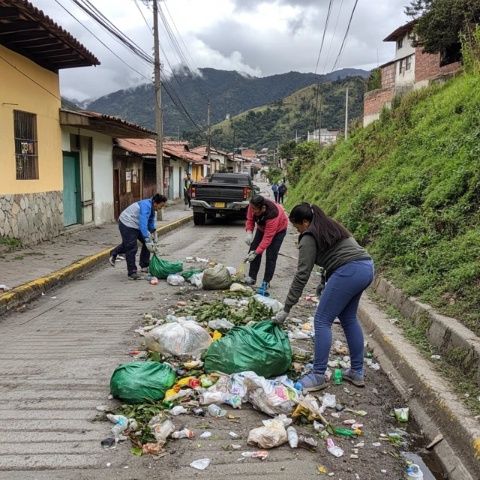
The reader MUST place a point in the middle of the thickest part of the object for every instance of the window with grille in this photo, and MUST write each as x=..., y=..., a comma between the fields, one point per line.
x=26, y=147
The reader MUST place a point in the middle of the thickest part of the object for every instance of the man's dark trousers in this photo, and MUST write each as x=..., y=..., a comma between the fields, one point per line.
x=129, y=248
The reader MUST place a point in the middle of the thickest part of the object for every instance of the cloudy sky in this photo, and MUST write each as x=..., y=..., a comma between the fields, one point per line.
x=257, y=37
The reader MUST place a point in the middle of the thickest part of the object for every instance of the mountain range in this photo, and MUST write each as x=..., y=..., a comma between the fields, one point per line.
x=230, y=93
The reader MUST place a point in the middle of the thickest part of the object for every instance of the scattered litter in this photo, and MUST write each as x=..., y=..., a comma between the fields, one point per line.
x=108, y=442
x=271, y=303
x=309, y=443
x=185, y=433
x=216, y=411
x=4, y=288
x=272, y=434
x=217, y=278
x=322, y=469
x=206, y=435
x=152, y=448
x=402, y=414
x=414, y=472
x=233, y=434
x=334, y=449
x=220, y=324
x=201, y=464
x=238, y=287
x=178, y=410
x=435, y=357
x=292, y=437
x=161, y=429
x=261, y=454
x=121, y=424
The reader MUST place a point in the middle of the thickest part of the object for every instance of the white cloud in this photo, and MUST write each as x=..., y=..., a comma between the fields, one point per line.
x=257, y=37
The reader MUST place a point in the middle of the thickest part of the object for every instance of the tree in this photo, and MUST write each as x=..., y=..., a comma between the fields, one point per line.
x=441, y=22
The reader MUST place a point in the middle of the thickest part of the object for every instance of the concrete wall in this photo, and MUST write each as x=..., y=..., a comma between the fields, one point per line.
x=406, y=49
x=405, y=77
x=96, y=176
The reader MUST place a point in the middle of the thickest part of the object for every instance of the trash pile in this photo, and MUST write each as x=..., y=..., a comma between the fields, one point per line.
x=209, y=358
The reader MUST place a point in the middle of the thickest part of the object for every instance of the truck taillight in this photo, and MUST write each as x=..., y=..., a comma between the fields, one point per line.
x=193, y=193
x=246, y=192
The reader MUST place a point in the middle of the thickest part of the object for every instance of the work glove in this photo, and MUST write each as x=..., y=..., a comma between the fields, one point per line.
x=249, y=238
x=280, y=317
x=155, y=236
x=250, y=257
x=150, y=245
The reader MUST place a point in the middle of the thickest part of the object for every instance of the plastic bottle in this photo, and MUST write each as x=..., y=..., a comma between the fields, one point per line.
x=121, y=424
x=292, y=437
x=216, y=411
x=414, y=472
x=337, y=376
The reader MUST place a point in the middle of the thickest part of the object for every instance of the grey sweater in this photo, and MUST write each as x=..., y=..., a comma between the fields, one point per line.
x=309, y=255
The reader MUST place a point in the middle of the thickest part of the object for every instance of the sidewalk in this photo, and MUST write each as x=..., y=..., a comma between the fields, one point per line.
x=30, y=263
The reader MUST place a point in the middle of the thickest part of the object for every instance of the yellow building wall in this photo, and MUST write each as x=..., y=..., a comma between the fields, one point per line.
x=18, y=92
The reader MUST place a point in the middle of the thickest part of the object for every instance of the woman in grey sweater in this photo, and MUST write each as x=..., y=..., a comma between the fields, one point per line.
x=349, y=271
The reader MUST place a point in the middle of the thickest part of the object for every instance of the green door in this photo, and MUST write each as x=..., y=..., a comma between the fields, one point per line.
x=71, y=189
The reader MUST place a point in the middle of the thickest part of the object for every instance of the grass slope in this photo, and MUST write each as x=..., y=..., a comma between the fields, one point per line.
x=408, y=187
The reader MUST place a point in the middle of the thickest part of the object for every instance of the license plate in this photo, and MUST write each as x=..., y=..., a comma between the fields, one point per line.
x=219, y=204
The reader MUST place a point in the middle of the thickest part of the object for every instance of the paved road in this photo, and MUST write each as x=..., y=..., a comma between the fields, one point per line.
x=57, y=357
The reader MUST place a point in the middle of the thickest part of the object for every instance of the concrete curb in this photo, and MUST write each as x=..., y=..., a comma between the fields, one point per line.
x=432, y=402
x=443, y=332
x=33, y=289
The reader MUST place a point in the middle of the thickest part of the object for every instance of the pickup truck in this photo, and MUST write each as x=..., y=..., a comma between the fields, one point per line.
x=224, y=194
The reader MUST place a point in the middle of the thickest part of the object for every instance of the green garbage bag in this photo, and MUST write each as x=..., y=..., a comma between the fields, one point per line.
x=262, y=348
x=163, y=268
x=138, y=382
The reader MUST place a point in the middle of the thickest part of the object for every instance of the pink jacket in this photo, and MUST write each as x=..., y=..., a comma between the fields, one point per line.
x=274, y=220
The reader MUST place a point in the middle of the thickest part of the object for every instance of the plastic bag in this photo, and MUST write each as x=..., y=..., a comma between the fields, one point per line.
x=175, y=280
x=271, y=303
x=272, y=434
x=216, y=278
x=196, y=279
x=221, y=324
x=262, y=348
x=163, y=268
x=272, y=397
x=181, y=338
x=187, y=274
x=138, y=382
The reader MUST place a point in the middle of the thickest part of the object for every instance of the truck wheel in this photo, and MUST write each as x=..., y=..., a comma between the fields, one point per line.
x=199, y=218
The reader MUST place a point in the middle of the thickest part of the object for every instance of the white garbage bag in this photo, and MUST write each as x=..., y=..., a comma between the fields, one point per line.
x=275, y=305
x=175, y=280
x=184, y=338
x=196, y=279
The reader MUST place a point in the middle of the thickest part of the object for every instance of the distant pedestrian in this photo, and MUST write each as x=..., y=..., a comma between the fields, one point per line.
x=348, y=271
x=275, y=192
x=282, y=190
x=271, y=222
x=138, y=222
x=187, y=191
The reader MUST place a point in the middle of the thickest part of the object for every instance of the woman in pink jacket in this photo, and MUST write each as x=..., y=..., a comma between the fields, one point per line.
x=271, y=222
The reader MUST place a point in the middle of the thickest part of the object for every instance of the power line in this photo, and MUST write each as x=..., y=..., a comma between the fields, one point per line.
x=327, y=57
x=101, y=41
x=324, y=32
x=143, y=16
x=345, y=36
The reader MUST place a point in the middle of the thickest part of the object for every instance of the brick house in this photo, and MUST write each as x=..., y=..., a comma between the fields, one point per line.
x=410, y=69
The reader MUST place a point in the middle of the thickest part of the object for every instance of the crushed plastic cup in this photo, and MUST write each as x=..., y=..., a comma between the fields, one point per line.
x=335, y=450
x=292, y=437
x=414, y=472
x=216, y=411
x=201, y=464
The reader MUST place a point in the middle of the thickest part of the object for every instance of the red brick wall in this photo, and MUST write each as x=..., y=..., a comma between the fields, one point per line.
x=374, y=101
x=388, y=76
x=427, y=66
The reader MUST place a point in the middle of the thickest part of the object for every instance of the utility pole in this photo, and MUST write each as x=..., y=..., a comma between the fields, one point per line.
x=346, y=114
x=320, y=123
x=209, y=138
x=158, y=103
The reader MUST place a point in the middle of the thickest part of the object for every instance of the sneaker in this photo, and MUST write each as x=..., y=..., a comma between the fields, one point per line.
x=249, y=281
x=112, y=260
x=263, y=289
x=312, y=382
x=134, y=276
x=144, y=269
x=355, y=378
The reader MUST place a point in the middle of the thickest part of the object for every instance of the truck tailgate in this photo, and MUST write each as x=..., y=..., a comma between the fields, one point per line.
x=219, y=193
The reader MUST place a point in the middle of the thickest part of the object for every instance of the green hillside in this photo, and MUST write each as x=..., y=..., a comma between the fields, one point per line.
x=229, y=92
x=408, y=187
x=269, y=125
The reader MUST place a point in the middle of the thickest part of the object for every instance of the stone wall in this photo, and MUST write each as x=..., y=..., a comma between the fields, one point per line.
x=31, y=217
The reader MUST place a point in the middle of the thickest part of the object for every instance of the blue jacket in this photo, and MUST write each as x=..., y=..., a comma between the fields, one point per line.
x=140, y=215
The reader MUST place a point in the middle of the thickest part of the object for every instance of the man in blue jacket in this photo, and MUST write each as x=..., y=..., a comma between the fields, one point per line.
x=138, y=222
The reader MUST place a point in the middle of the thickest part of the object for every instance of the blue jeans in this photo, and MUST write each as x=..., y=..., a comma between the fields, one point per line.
x=340, y=298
